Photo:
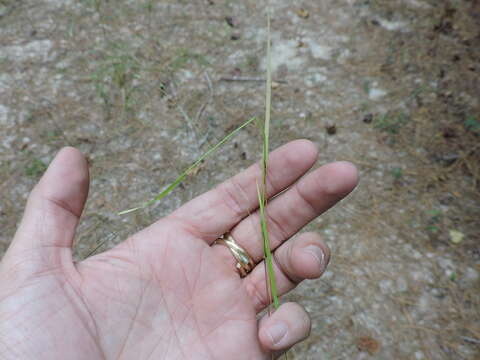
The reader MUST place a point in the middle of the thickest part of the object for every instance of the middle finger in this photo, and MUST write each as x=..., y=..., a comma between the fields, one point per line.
x=290, y=211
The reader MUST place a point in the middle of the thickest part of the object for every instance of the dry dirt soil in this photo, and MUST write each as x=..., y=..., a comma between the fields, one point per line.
x=142, y=88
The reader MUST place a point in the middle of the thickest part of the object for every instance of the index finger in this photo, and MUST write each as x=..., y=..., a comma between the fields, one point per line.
x=215, y=212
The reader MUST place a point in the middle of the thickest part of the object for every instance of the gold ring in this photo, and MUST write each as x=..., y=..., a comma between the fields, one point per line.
x=245, y=263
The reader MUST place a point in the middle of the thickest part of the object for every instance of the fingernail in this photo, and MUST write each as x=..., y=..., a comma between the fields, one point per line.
x=277, y=332
x=317, y=254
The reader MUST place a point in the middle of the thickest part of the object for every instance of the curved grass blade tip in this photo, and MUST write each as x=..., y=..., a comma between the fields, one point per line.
x=185, y=173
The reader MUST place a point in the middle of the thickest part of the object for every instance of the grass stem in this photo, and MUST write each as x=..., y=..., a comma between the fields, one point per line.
x=262, y=192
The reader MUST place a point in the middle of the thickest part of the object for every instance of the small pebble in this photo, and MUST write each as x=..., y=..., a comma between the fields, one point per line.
x=368, y=118
x=331, y=129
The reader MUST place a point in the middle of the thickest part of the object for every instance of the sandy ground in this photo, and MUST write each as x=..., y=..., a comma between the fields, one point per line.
x=391, y=85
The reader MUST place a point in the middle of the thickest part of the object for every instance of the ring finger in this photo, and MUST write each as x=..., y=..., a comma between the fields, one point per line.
x=304, y=257
x=293, y=209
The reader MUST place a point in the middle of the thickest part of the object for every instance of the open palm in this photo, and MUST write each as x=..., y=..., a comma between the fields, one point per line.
x=169, y=291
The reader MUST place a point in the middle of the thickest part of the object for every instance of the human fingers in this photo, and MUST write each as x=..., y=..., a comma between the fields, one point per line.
x=218, y=210
x=52, y=212
x=288, y=325
x=293, y=209
x=304, y=257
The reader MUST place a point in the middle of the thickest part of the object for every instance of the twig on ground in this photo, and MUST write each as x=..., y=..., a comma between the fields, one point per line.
x=470, y=340
x=249, y=78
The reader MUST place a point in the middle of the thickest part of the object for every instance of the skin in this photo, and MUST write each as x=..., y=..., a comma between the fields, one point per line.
x=166, y=292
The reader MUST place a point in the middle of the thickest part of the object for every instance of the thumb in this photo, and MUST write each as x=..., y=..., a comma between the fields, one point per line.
x=53, y=210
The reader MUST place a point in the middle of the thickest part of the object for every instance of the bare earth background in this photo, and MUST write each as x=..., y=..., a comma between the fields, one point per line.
x=391, y=85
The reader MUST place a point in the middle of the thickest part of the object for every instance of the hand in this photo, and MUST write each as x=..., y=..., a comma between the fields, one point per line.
x=167, y=292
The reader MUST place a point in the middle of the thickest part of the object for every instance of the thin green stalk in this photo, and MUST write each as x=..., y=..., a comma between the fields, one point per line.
x=268, y=105
x=184, y=174
x=272, y=283
x=262, y=196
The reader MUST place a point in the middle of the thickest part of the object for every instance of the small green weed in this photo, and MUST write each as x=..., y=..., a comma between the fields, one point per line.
x=115, y=75
x=434, y=219
x=116, y=70
x=435, y=214
x=96, y=4
x=184, y=57
x=148, y=6
x=366, y=87
x=35, y=168
x=397, y=173
x=51, y=135
x=391, y=123
x=252, y=63
x=417, y=91
x=472, y=124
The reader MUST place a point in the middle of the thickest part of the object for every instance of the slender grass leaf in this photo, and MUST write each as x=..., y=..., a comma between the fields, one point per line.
x=272, y=283
x=262, y=198
x=184, y=174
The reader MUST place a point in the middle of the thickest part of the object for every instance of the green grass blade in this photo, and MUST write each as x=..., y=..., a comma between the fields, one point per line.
x=268, y=105
x=184, y=174
x=262, y=197
x=271, y=280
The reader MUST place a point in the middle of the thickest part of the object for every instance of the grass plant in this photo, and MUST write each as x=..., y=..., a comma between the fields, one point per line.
x=262, y=191
x=261, y=188
x=270, y=280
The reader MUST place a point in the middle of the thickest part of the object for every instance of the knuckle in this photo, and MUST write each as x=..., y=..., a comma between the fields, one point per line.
x=230, y=194
x=280, y=228
x=309, y=203
x=259, y=300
